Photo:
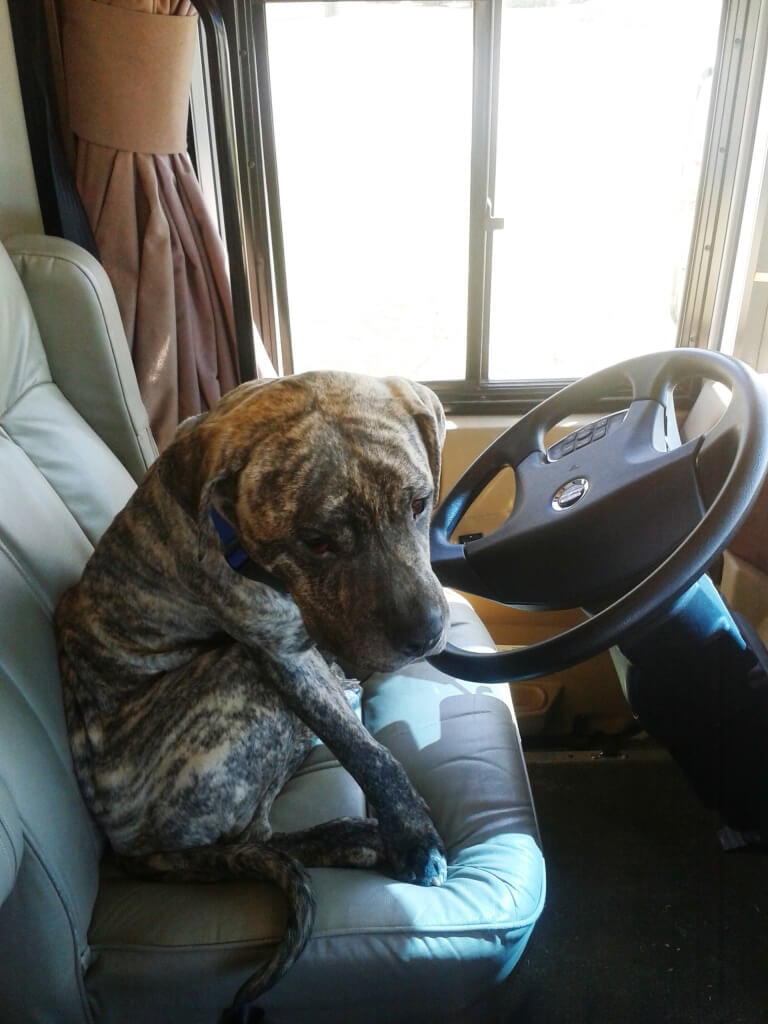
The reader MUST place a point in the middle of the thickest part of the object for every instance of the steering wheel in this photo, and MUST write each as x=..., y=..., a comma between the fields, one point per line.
x=619, y=518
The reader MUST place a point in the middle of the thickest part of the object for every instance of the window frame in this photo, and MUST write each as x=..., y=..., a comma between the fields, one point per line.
x=237, y=62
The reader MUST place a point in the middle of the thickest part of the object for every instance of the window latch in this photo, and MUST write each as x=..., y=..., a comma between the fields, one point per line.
x=492, y=223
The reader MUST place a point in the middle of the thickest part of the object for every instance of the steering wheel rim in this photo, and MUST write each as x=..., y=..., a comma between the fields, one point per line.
x=743, y=429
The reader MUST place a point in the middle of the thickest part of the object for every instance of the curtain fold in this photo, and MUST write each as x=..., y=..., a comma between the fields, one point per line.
x=155, y=236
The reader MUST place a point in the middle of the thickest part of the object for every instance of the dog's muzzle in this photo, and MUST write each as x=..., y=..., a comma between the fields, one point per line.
x=418, y=636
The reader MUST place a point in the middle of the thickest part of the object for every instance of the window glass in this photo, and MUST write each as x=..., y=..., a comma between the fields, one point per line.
x=602, y=115
x=372, y=109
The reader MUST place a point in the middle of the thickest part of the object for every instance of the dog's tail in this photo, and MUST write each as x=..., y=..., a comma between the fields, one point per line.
x=246, y=861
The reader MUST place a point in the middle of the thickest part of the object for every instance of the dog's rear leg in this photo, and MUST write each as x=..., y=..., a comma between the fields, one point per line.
x=340, y=843
x=243, y=861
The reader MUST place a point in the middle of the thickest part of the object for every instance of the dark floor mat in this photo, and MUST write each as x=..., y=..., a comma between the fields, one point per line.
x=647, y=920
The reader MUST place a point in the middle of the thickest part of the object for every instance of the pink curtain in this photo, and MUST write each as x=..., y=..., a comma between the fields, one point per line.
x=155, y=236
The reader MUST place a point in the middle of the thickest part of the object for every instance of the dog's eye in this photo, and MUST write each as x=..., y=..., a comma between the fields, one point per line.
x=418, y=506
x=317, y=543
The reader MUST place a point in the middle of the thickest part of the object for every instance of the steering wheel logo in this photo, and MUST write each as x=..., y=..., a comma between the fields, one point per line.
x=566, y=496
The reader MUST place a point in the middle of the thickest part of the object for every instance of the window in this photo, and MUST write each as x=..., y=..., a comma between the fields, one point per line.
x=600, y=130
x=491, y=196
x=373, y=144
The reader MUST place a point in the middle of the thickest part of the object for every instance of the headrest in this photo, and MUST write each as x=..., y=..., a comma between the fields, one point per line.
x=42, y=436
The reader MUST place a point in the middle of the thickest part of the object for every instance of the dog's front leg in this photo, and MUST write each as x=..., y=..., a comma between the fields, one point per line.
x=315, y=693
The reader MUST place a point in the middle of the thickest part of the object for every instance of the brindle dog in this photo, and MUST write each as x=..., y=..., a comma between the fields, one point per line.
x=192, y=691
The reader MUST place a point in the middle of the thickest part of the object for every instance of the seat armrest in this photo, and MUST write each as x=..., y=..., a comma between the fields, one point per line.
x=11, y=842
x=88, y=355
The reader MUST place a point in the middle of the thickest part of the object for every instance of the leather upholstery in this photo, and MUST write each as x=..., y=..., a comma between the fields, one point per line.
x=87, y=352
x=79, y=942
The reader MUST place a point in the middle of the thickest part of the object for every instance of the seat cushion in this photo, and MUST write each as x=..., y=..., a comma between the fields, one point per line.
x=379, y=946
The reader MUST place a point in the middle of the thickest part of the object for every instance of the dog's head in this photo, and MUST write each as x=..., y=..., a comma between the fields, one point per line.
x=329, y=480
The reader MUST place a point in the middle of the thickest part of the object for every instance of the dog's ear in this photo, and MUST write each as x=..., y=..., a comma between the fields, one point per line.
x=205, y=458
x=427, y=410
x=200, y=459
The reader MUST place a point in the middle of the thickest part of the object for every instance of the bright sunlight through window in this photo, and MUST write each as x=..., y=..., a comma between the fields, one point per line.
x=602, y=113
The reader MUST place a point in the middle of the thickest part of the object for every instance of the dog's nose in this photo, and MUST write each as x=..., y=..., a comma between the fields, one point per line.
x=419, y=649
x=417, y=639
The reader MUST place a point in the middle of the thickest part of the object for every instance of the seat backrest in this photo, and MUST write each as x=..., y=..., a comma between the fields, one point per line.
x=60, y=486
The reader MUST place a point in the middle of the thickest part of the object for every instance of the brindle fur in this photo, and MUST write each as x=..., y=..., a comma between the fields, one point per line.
x=193, y=692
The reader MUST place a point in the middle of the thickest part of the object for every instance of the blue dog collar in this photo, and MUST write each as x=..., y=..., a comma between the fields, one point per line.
x=236, y=555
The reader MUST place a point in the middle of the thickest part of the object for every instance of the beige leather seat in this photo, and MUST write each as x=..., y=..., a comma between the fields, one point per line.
x=81, y=943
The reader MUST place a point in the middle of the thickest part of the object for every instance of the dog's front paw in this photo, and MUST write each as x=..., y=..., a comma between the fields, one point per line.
x=417, y=856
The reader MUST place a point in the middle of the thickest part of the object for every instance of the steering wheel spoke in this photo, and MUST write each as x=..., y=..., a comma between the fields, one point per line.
x=716, y=452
